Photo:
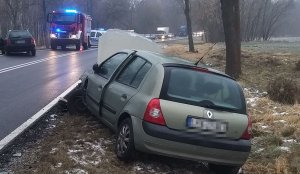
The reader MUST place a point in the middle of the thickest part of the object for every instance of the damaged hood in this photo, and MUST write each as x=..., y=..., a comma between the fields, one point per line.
x=115, y=40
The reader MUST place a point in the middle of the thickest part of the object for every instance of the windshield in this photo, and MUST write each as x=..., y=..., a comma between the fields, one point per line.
x=64, y=18
x=202, y=89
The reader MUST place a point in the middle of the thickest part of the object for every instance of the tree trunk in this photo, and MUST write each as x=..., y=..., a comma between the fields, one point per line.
x=231, y=23
x=187, y=13
x=45, y=30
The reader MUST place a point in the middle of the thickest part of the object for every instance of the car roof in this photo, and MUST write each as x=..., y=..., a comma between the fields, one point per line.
x=157, y=58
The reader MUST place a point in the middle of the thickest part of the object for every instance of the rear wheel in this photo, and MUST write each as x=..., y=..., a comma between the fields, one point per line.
x=222, y=169
x=2, y=51
x=85, y=46
x=33, y=52
x=125, y=143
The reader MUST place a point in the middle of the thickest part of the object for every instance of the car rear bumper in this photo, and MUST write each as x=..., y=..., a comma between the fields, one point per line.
x=65, y=41
x=164, y=141
x=19, y=48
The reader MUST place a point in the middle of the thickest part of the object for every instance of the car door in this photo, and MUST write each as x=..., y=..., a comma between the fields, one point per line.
x=98, y=81
x=123, y=88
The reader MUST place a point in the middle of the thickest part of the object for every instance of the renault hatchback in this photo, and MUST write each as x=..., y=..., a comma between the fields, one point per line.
x=170, y=107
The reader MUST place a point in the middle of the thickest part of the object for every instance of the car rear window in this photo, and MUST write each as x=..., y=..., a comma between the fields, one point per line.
x=19, y=34
x=203, y=89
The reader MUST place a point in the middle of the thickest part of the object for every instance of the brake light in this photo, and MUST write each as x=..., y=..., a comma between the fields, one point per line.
x=153, y=113
x=247, y=134
x=8, y=41
x=32, y=41
x=200, y=69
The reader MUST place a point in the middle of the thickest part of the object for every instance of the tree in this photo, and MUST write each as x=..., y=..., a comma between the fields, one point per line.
x=187, y=13
x=231, y=24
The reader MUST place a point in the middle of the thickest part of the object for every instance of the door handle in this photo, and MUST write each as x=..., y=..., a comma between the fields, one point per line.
x=124, y=96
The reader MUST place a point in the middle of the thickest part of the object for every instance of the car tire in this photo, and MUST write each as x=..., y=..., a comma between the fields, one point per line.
x=85, y=46
x=76, y=103
x=63, y=47
x=124, y=141
x=3, y=52
x=7, y=53
x=77, y=47
x=222, y=169
x=33, y=52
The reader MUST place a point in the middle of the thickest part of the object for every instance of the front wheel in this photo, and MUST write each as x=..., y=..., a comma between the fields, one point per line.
x=125, y=144
x=222, y=169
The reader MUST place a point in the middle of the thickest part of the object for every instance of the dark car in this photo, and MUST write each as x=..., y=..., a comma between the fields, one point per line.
x=1, y=45
x=19, y=41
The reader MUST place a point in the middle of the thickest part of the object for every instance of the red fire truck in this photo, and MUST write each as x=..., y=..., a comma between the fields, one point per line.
x=69, y=27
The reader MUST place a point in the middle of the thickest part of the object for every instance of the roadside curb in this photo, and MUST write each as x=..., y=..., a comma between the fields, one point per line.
x=5, y=142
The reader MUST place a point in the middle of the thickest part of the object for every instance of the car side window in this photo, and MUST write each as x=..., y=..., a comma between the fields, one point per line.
x=110, y=65
x=134, y=73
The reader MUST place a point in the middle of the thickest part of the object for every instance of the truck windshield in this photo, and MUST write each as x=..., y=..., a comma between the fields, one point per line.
x=64, y=18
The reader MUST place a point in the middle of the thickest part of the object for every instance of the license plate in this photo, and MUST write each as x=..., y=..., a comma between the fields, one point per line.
x=206, y=124
x=20, y=41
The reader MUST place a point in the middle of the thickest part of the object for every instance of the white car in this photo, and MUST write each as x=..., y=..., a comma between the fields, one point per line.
x=94, y=38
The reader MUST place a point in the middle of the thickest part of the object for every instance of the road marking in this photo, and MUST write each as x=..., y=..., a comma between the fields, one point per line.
x=14, y=134
x=37, y=61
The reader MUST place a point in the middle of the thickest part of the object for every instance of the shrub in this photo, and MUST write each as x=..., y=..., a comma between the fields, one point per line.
x=283, y=90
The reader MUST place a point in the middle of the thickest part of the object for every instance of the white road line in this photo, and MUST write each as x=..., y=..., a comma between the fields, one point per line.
x=36, y=61
x=14, y=134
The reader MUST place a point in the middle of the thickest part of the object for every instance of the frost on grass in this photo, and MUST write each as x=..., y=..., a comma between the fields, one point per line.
x=89, y=153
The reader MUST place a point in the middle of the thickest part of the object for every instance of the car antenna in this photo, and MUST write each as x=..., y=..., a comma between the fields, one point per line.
x=210, y=48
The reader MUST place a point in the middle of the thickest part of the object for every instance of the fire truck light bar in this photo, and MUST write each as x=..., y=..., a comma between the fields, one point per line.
x=70, y=11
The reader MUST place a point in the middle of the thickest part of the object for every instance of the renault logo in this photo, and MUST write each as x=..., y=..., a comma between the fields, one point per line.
x=209, y=114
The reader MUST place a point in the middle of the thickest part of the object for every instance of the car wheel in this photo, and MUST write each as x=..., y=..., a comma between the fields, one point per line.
x=3, y=52
x=63, y=47
x=85, y=46
x=222, y=169
x=33, y=52
x=76, y=102
x=77, y=47
x=125, y=143
x=7, y=53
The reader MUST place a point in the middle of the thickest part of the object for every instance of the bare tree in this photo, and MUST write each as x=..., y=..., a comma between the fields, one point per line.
x=231, y=23
x=187, y=13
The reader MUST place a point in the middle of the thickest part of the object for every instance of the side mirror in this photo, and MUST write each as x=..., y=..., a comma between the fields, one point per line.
x=49, y=17
x=96, y=68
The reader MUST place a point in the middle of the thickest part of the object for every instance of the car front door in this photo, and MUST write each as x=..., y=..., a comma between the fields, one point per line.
x=123, y=88
x=98, y=80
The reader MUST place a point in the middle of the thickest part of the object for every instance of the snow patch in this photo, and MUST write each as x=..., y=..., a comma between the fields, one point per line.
x=286, y=149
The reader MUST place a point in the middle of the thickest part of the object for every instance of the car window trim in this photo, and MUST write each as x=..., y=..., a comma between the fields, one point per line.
x=136, y=56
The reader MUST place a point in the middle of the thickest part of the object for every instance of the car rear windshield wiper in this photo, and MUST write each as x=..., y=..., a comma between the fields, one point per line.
x=211, y=105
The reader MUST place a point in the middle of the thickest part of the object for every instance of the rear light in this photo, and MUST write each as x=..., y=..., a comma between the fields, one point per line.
x=8, y=42
x=32, y=41
x=200, y=69
x=247, y=135
x=153, y=113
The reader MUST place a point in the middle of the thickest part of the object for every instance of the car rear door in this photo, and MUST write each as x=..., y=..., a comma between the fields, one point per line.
x=123, y=88
x=98, y=81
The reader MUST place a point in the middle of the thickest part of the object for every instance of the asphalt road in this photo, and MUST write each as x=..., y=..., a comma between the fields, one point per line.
x=27, y=84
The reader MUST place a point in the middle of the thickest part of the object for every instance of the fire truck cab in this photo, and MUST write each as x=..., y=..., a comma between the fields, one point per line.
x=69, y=27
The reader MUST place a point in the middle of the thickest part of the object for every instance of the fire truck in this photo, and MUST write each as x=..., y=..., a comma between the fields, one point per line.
x=69, y=27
